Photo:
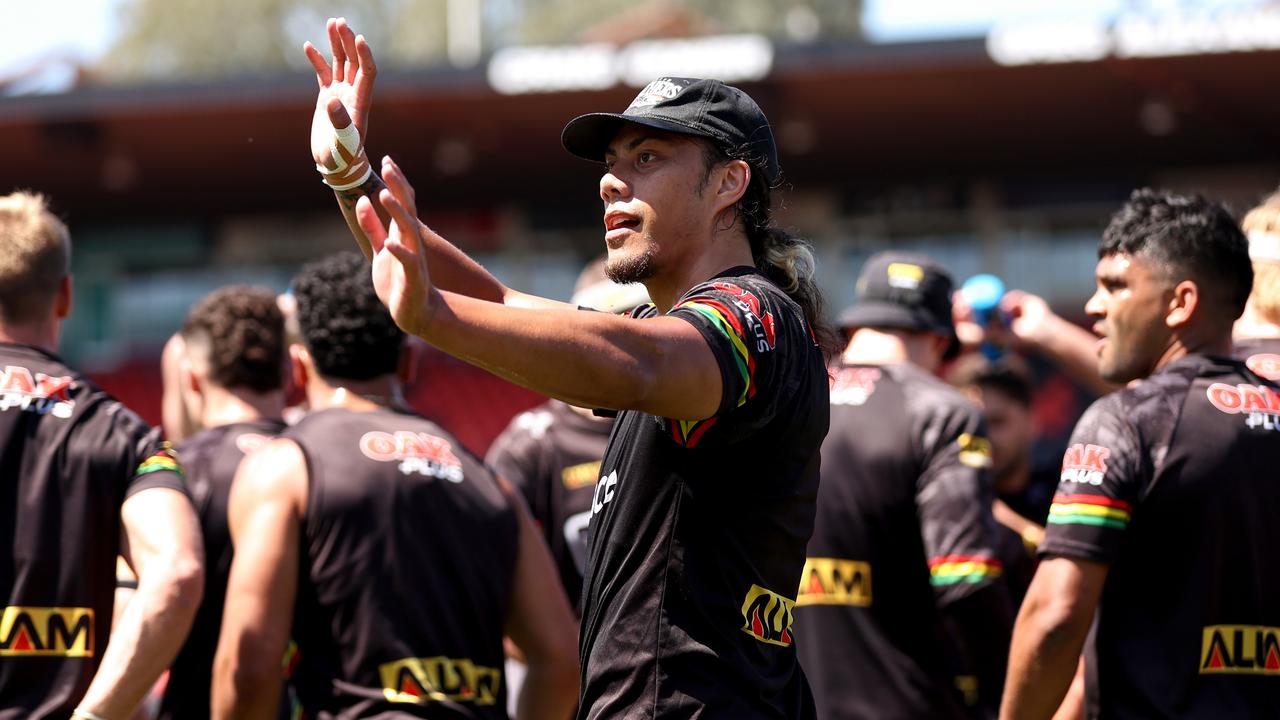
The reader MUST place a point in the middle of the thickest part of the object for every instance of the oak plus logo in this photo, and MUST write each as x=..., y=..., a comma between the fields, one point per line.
x=1259, y=404
x=36, y=392
x=1240, y=650
x=832, y=581
x=417, y=452
x=1085, y=464
x=767, y=616
x=1265, y=364
x=853, y=386
x=763, y=328
x=46, y=632
x=439, y=679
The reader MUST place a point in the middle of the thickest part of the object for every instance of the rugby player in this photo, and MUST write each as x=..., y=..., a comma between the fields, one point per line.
x=706, y=491
x=1162, y=535
x=1257, y=332
x=903, y=578
x=231, y=381
x=394, y=557
x=86, y=480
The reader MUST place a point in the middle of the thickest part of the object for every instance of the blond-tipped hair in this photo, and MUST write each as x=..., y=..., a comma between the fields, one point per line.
x=35, y=255
x=1265, y=297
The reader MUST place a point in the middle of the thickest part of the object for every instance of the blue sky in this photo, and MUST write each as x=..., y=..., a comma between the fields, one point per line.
x=43, y=27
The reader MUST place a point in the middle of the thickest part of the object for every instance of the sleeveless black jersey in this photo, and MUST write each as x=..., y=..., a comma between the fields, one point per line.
x=210, y=459
x=1261, y=355
x=408, y=552
x=904, y=527
x=1173, y=484
x=552, y=454
x=698, y=533
x=70, y=455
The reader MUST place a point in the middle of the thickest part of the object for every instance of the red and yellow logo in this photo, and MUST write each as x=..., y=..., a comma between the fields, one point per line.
x=46, y=632
x=768, y=616
x=39, y=393
x=1240, y=650
x=436, y=679
x=832, y=581
x=1233, y=399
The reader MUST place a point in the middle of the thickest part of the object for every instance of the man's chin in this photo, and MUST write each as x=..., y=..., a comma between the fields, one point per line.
x=629, y=268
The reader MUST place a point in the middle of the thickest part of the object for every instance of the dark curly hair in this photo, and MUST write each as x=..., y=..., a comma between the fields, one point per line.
x=780, y=256
x=348, y=332
x=1184, y=237
x=240, y=332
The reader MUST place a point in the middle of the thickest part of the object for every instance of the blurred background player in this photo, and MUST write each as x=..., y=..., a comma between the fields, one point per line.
x=552, y=453
x=1002, y=391
x=902, y=584
x=232, y=384
x=85, y=481
x=414, y=560
x=1257, y=333
x=1162, y=535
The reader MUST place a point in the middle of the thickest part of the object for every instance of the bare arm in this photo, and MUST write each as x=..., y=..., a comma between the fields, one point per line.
x=1036, y=327
x=541, y=624
x=660, y=365
x=1049, y=636
x=264, y=515
x=162, y=544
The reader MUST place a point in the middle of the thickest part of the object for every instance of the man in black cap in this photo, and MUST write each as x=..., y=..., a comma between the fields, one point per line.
x=901, y=606
x=707, y=489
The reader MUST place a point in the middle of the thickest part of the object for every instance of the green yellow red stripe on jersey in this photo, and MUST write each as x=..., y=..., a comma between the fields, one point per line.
x=724, y=320
x=161, y=460
x=955, y=569
x=1097, y=510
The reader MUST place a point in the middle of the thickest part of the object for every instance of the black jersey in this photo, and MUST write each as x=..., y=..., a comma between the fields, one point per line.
x=408, y=552
x=904, y=527
x=70, y=455
x=1261, y=355
x=1172, y=483
x=210, y=459
x=698, y=533
x=552, y=454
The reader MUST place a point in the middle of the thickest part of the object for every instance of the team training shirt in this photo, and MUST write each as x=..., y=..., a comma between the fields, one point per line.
x=70, y=455
x=1173, y=484
x=552, y=454
x=210, y=459
x=904, y=528
x=408, y=551
x=698, y=533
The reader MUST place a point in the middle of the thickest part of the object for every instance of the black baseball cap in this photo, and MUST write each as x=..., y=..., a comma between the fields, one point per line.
x=691, y=106
x=903, y=291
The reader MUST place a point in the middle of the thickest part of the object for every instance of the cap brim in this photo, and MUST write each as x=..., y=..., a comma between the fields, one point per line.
x=588, y=136
x=892, y=315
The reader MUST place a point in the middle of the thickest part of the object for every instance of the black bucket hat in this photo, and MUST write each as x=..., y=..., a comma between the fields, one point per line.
x=903, y=291
x=705, y=108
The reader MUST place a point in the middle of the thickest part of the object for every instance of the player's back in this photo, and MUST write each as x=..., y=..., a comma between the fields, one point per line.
x=210, y=459
x=69, y=455
x=1189, y=623
x=408, y=551
x=870, y=634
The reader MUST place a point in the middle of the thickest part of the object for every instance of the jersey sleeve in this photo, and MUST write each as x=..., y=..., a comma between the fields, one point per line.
x=743, y=329
x=1099, y=485
x=157, y=466
x=953, y=499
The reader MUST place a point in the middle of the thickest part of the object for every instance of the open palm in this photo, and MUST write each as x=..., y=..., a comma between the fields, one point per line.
x=400, y=274
x=349, y=79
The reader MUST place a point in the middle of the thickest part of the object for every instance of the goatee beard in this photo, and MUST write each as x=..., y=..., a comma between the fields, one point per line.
x=630, y=269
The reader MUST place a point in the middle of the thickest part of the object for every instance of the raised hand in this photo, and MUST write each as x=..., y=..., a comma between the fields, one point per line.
x=400, y=274
x=346, y=90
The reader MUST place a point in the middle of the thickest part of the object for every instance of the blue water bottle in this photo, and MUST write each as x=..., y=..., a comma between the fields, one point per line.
x=982, y=293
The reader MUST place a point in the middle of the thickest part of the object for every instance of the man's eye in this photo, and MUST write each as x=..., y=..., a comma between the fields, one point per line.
x=644, y=157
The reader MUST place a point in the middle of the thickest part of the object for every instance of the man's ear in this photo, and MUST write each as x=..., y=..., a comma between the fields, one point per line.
x=62, y=304
x=1183, y=304
x=735, y=176
x=299, y=365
